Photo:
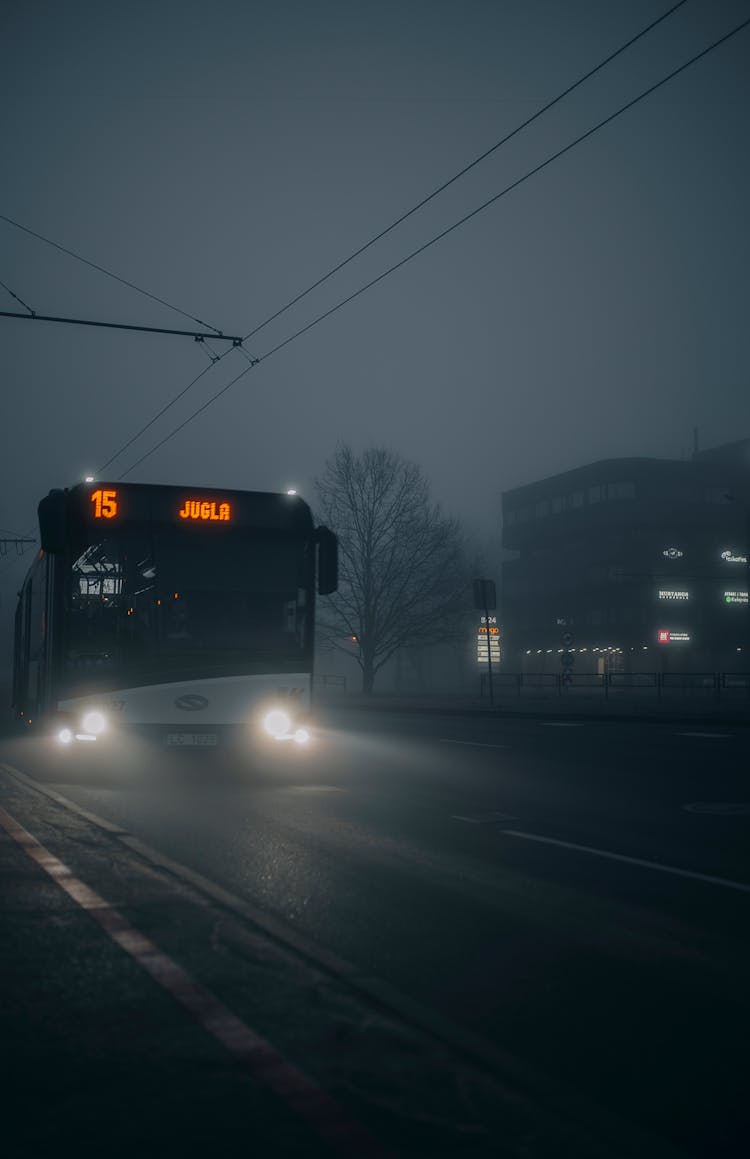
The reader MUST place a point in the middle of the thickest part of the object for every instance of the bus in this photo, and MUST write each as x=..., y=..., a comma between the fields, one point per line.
x=181, y=613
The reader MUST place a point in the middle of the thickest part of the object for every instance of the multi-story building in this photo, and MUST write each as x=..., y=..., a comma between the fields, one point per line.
x=637, y=564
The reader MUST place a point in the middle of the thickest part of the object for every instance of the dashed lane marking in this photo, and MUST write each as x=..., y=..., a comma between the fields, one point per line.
x=299, y=1092
x=712, y=735
x=483, y=818
x=726, y=882
x=475, y=743
x=720, y=808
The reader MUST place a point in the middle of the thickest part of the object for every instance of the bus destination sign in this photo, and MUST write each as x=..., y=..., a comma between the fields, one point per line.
x=109, y=503
x=207, y=510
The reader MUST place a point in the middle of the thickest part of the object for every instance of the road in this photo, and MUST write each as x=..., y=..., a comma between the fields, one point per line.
x=570, y=895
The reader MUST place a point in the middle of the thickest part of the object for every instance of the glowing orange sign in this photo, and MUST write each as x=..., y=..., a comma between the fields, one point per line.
x=205, y=510
x=105, y=504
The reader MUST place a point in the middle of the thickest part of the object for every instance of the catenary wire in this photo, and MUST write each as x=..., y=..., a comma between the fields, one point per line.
x=103, y=270
x=444, y=233
x=498, y=144
x=158, y=414
x=25, y=305
x=482, y=156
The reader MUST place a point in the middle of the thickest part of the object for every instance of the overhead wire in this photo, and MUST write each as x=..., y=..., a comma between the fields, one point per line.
x=104, y=270
x=419, y=205
x=445, y=232
x=158, y=414
x=462, y=172
x=25, y=305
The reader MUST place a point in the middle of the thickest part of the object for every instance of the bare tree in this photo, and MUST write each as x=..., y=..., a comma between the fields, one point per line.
x=402, y=573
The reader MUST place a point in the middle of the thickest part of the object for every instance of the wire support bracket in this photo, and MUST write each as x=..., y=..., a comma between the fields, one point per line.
x=198, y=335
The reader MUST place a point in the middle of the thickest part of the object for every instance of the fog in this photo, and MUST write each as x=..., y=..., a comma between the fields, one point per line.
x=224, y=157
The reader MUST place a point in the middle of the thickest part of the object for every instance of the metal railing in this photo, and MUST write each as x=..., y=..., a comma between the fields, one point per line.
x=567, y=683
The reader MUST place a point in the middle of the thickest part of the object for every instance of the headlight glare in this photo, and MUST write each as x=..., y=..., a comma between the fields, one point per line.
x=94, y=722
x=277, y=723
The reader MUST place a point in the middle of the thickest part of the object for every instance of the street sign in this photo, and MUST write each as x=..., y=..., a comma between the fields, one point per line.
x=485, y=596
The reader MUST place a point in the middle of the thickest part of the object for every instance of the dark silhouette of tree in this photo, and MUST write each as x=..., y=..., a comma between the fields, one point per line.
x=402, y=569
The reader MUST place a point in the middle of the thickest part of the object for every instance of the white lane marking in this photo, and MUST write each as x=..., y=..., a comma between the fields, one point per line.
x=303, y=1095
x=483, y=818
x=631, y=860
x=562, y=724
x=713, y=735
x=475, y=743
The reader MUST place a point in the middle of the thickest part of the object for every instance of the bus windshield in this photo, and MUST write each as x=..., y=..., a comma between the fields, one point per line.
x=152, y=604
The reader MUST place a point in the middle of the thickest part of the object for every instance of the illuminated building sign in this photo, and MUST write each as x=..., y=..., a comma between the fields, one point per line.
x=666, y=636
x=105, y=504
x=672, y=553
x=488, y=641
x=205, y=510
x=735, y=597
x=732, y=557
x=669, y=594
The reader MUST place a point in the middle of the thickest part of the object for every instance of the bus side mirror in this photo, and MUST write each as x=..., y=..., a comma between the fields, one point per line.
x=328, y=561
x=52, y=522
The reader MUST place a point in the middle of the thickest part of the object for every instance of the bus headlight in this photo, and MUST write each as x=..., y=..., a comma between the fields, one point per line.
x=277, y=723
x=94, y=722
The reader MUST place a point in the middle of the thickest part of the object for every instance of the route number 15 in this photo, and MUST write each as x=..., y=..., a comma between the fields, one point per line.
x=105, y=504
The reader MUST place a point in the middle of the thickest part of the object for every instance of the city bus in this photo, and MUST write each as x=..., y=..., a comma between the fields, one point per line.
x=185, y=614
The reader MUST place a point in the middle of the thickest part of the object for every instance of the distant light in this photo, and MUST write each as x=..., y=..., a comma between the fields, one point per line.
x=89, y=479
x=302, y=736
x=65, y=736
x=291, y=491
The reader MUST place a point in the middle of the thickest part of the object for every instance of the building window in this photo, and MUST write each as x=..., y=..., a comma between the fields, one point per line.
x=620, y=490
x=595, y=494
x=576, y=499
x=510, y=519
x=523, y=515
x=558, y=503
x=542, y=509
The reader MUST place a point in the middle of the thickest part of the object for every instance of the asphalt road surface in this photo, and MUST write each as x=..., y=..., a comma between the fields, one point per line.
x=573, y=896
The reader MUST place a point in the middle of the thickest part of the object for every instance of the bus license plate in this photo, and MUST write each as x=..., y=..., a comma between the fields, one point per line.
x=191, y=738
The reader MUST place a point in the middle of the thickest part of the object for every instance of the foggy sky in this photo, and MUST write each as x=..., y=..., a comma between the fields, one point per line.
x=224, y=156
